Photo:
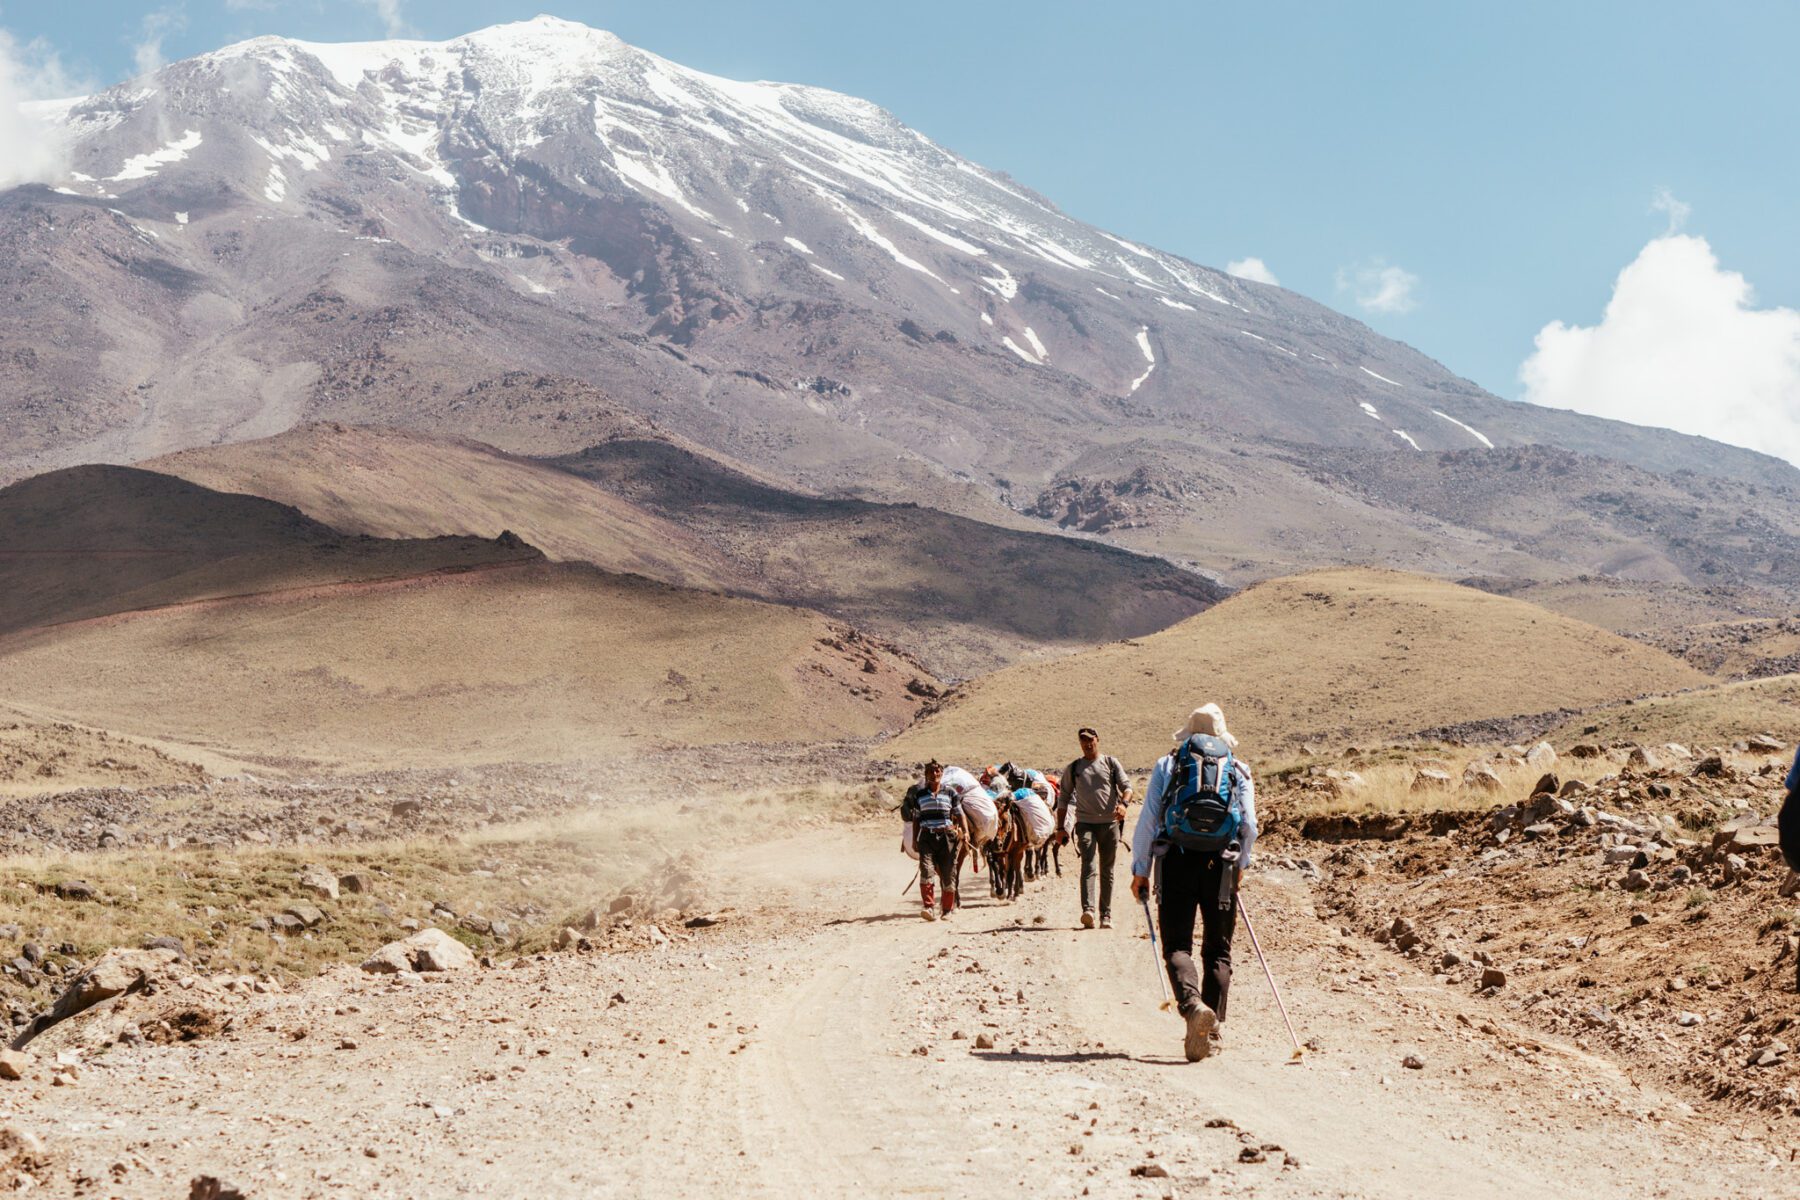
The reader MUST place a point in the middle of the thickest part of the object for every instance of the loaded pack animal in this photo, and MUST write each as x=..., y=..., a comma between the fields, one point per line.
x=1008, y=850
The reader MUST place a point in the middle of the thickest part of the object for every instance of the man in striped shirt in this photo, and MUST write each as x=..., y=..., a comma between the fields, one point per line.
x=935, y=811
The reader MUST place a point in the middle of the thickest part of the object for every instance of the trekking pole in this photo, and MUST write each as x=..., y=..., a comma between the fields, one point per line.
x=1162, y=973
x=910, y=880
x=1257, y=946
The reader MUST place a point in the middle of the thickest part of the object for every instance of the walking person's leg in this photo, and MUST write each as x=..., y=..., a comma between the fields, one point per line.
x=952, y=874
x=1218, y=921
x=1106, y=842
x=1178, y=901
x=928, y=875
x=1084, y=841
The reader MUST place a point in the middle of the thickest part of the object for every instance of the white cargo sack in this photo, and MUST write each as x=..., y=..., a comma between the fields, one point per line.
x=906, y=841
x=1040, y=823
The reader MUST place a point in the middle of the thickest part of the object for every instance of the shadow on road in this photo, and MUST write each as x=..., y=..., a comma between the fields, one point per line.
x=1084, y=1056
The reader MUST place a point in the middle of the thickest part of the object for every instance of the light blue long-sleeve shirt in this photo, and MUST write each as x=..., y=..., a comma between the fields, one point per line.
x=1150, y=817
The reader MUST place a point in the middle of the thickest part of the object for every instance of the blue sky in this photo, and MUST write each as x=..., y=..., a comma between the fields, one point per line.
x=1497, y=162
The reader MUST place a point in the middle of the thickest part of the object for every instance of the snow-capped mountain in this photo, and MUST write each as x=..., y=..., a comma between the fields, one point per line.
x=514, y=234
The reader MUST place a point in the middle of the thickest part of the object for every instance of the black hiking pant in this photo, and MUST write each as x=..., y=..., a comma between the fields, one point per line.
x=1099, y=846
x=1191, y=884
x=937, y=861
x=1788, y=824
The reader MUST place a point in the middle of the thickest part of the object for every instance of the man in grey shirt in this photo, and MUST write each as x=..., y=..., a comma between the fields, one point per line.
x=1098, y=788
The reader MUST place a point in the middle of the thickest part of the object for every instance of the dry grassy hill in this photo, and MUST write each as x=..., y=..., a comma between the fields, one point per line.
x=539, y=662
x=88, y=541
x=1714, y=716
x=1346, y=654
x=1634, y=606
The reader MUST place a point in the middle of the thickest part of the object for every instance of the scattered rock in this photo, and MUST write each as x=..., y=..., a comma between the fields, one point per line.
x=566, y=938
x=1482, y=778
x=1639, y=919
x=310, y=916
x=1152, y=1171
x=317, y=880
x=1541, y=757
x=114, y=973
x=1764, y=743
x=355, y=882
x=1636, y=880
x=75, y=889
x=1252, y=1154
x=211, y=1187
x=13, y=1063
x=621, y=903
x=983, y=1042
x=427, y=950
x=1431, y=780
x=1413, y=1062
x=1493, y=977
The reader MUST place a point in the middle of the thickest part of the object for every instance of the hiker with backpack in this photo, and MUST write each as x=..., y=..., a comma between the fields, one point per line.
x=1788, y=822
x=934, y=810
x=1196, y=830
x=1096, y=787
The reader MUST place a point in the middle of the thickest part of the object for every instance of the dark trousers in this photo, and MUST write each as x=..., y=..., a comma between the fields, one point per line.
x=1099, y=846
x=937, y=860
x=1190, y=884
x=1788, y=823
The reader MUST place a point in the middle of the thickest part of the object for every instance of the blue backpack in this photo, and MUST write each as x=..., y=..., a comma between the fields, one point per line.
x=1200, y=811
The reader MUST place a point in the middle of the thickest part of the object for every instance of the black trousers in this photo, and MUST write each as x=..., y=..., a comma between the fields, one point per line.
x=1191, y=885
x=937, y=859
x=1789, y=826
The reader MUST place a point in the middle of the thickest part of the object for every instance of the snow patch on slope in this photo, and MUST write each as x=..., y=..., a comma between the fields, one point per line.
x=143, y=166
x=1383, y=378
x=1469, y=429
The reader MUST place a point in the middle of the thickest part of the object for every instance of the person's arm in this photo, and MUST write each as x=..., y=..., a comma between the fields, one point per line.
x=1149, y=826
x=1121, y=787
x=1062, y=802
x=1793, y=775
x=1247, y=830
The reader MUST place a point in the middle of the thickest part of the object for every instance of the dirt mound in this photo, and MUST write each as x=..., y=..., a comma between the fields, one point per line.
x=90, y=541
x=532, y=663
x=1332, y=655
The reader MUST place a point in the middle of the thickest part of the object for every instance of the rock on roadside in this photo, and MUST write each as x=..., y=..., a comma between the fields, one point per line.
x=426, y=950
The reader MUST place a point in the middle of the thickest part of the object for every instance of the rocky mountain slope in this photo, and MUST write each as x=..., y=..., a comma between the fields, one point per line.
x=391, y=232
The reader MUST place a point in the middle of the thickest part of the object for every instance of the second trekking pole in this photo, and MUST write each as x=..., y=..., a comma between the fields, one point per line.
x=1162, y=972
x=1257, y=946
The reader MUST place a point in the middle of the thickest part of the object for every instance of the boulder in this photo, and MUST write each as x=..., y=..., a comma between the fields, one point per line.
x=14, y=1064
x=355, y=882
x=1751, y=837
x=1541, y=756
x=1715, y=767
x=75, y=889
x=317, y=880
x=1643, y=758
x=426, y=950
x=1493, y=977
x=1765, y=743
x=114, y=973
x=1584, y=750
x=1431, y=780
x=1482, y=778
x=1677, y=750
x=1636, y=880
x=310, y=916
x=1573, y=787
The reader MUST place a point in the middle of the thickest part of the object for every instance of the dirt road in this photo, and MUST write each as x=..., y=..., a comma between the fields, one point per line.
x=808, y=1046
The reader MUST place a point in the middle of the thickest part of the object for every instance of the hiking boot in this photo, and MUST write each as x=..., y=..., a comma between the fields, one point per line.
x=1106, y=922
x=1087, y=919
x=1200, y=1026
x=930, y=914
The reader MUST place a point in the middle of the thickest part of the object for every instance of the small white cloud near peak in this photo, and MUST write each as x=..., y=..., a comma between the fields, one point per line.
x=392, y=14
x=1681, y=345
x=28, y=72
x=1253, y=269
x=1380, y=287
x=1677, y=211
x=147, y=52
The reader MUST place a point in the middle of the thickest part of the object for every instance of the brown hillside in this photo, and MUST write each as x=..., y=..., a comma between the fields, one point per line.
x=88, y=541
x=395, y=483
x=532, y=663
x=964, y=595
x=1347, y=654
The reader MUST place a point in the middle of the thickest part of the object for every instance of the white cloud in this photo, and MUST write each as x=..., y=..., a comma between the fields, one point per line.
x=1378, y=286
x=147, y=51
x=1253, y=269
x=392, y=14
x=1665, y=202
x=1681, y=345
x=32, y=71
